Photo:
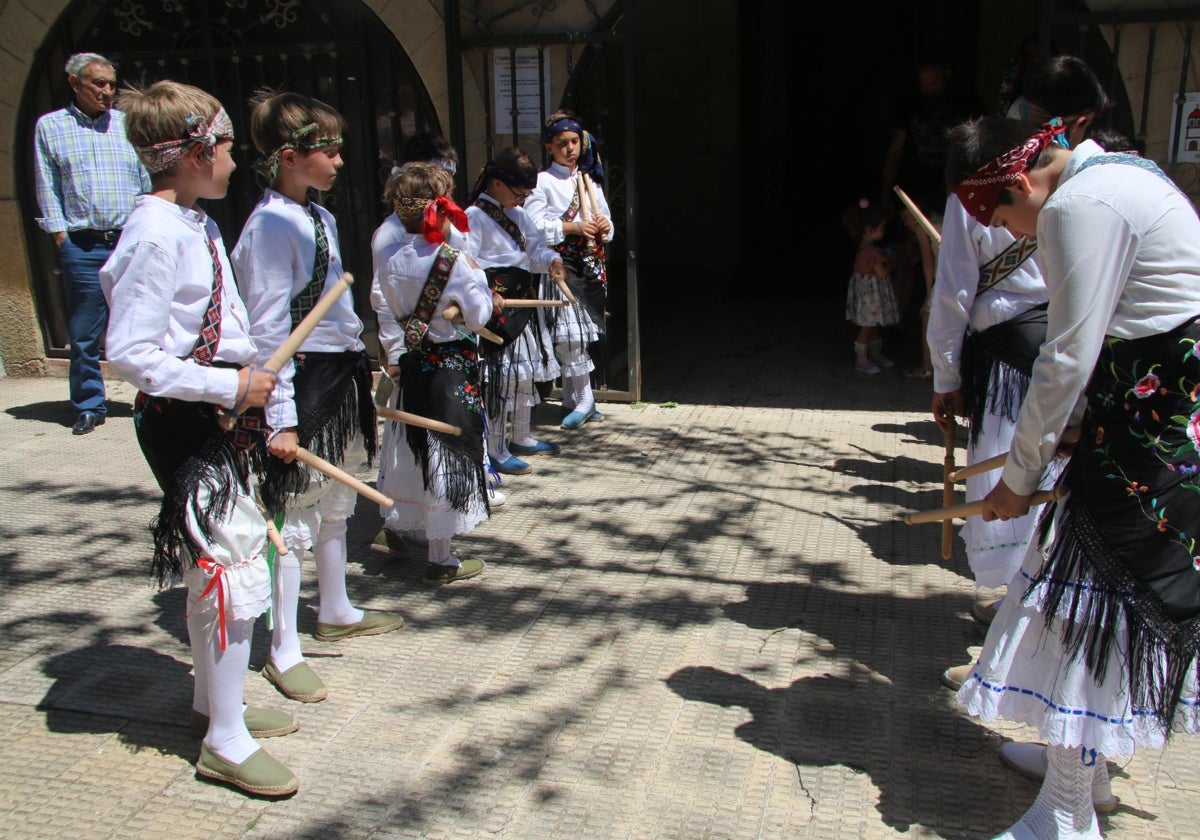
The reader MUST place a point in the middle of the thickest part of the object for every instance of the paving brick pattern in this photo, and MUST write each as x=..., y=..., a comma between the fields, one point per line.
x=699, y=621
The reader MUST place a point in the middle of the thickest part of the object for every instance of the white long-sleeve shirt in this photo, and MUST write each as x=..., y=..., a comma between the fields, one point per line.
x=404, y=276
x=387, y=239
x=1120, y=249
x=158, y=283
x=552, y=196
x=491, y=246
x=274, y=261
x=956, y=304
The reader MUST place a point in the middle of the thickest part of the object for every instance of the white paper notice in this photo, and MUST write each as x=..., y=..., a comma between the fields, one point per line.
x=527, y=101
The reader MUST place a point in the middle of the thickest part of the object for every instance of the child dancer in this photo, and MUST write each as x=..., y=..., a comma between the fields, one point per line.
x=870, y=301
x=441, y=487
x=286, y=257
x=178, y=332
x=1099, y=650
x=508, y=246
x=555, y=206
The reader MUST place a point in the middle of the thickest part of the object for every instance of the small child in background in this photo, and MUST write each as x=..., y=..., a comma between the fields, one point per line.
x=871, y=301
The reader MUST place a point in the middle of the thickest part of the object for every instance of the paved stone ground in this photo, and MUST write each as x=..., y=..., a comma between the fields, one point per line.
x=701, y=620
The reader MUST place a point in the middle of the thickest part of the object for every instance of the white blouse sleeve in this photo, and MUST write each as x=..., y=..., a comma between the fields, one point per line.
x=954, y=289
x=1085, y=275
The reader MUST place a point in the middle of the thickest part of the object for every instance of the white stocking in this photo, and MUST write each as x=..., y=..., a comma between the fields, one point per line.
x=495, y=438
x=581, y=388
x=285, y=640
x=330, y=553
x=521, y=432
x=439, y=553
x=226, y=669
x=1063, y=808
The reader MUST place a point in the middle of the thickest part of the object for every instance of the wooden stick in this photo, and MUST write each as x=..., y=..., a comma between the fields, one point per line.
x=973, y=509
x=276, y=539
x=948, y=489
x=927, y=225
x=416, y=420
x=521, y=303
x=320, y=309
x=590, y=188
x=329, y=470
x=566, y=290
x=454, y=315
x=227, y=420
x=1071, y=435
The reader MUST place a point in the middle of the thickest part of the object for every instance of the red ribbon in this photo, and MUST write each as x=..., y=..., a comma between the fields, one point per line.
x=218, y=581
x=431, y=224
x=980, y=191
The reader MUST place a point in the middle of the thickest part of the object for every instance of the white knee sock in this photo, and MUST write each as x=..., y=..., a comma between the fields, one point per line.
x=520, y=426
x=330, y=554
x=285, y=640
x=495, y=438
x=200, y=661
x=581, y=385
x=1063, y=808
x=439, y=553
x=227, y=734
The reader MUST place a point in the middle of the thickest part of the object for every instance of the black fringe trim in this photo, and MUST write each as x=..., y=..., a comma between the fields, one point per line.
x=462, y=465
x=187, y=451
x=1002, y=397
x=1112, y=596
x=333, y=409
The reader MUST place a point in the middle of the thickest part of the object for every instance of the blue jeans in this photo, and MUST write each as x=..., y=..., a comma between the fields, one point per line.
x=87, y=318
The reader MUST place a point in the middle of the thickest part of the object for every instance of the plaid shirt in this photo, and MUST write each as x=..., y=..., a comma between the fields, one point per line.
x=87, y=172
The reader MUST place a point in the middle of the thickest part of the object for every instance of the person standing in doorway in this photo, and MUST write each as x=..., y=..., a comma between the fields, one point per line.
x=87, y=178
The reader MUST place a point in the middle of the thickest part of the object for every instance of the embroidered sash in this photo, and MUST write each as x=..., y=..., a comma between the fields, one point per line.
x=497, y=215
x=416, y=325
x=1001, y=266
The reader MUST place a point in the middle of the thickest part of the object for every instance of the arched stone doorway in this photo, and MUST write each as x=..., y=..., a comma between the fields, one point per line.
x=336, y=50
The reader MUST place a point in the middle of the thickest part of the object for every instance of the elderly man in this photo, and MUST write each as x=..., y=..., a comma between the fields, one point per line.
x=87, y=177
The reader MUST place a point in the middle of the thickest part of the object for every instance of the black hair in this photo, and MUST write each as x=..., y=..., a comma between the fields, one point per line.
x=1112, y=140
x=510, y=164
x=427, y=146
x=1064, y=85
x=976, y=142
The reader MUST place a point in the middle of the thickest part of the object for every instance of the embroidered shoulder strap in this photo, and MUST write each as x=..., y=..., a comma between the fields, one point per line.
x=572, y=210
x=1132, y=160
x=497, y=215
x=417, y=324
x=999, y=267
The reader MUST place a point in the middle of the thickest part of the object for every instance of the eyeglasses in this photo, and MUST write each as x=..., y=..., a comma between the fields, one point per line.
x=519, y=196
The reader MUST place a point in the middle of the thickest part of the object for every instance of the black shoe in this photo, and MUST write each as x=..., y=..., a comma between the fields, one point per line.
x=88, y=420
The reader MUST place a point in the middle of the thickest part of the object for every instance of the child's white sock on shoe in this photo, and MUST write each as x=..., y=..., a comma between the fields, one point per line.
x=330, y=554
x=285, y=639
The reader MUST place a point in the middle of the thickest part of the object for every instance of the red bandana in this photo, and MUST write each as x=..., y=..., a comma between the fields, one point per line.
x=431, y=226
x=980, y=191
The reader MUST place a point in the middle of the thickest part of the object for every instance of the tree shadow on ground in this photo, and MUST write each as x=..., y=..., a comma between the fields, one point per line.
x=876, y=709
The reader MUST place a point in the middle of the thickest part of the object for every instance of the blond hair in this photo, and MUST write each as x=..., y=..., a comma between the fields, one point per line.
x=278, y=118
x=159, y=113
x=413, y=186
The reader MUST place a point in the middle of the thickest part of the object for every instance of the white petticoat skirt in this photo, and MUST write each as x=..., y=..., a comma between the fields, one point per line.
x=1025, y=675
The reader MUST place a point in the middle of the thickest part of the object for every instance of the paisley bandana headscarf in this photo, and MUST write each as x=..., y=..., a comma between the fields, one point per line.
x=980, y=191
x=162, y=156
x=267, y=166
x=589, y=159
